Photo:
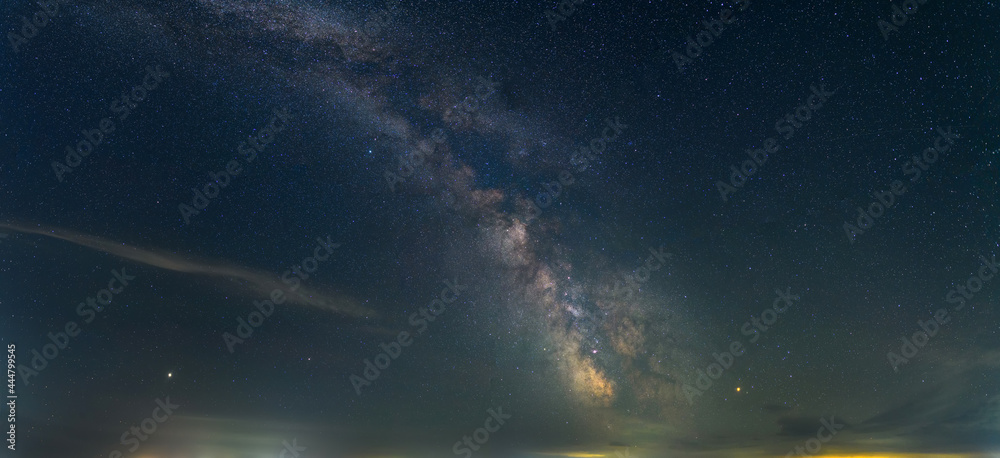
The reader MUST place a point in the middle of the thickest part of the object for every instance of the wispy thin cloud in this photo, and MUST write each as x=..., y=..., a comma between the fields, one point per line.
x=261, y=283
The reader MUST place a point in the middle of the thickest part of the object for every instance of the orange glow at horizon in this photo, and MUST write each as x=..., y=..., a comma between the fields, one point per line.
x=900, y=455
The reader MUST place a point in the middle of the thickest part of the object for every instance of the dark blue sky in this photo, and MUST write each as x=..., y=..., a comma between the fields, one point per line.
x=696, y=360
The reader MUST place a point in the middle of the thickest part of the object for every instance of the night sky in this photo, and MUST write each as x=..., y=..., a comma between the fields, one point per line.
x=304, y=228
